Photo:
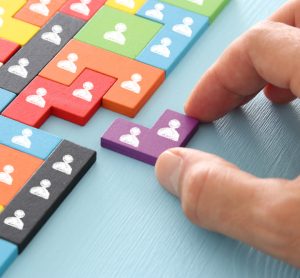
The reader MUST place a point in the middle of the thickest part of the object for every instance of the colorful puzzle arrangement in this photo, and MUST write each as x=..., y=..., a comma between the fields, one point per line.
x=68, y=58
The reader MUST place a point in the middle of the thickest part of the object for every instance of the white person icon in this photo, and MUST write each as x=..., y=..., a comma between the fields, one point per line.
x=23, y=140
x=53, y=36
x=41, y=7
x=5, y=176
x=15, y=221
x=42, y=190
x=117, y=36
x=81, y=7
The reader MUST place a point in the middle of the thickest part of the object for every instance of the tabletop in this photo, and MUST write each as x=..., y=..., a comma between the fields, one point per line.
x=118, y=222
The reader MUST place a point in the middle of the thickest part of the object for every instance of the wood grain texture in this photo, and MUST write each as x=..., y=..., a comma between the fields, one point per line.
x=118, y=222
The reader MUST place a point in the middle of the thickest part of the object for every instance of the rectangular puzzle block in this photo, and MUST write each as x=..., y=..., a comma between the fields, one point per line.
x=26, y=139
x=5, y=98
x=16, y=168
x=44, y=192
x=181, y=29
x=8, y=253
x=128, y=6
x=209, y=8
x=7, y=50
x=27, y=63
x=76, y=103
x=136, y=81
x=119, y=32
x=171, y=130
x=83, y=10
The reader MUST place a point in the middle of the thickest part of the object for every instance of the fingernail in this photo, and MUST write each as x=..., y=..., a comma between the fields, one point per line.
x=168, y=168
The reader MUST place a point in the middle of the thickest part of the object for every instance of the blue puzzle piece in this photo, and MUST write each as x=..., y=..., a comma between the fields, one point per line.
x=5, y=98
x=181, y=29
x=37, y=142
x=8, y=253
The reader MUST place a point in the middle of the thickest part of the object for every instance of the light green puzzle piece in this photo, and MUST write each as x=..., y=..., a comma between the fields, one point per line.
x=209, y=8
x=119, y=32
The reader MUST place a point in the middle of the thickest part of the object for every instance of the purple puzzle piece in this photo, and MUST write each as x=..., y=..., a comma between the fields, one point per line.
x=171, y=130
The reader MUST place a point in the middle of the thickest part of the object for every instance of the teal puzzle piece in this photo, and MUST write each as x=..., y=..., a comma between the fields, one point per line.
x=5, y=98
x=8, y=253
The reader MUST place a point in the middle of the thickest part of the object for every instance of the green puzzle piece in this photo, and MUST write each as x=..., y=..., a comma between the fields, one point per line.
x=209, y=8
x=100, y=31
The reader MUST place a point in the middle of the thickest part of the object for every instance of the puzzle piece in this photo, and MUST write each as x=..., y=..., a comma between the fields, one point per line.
x=118, y=32
x=38, y=12
x=209, y=8
x=7, y=50
x=26, y=139
x=8, y=254
x=83, y=9
x=181, y=29
x=44, y=192
x=129, y=6
x=135, y=84
x=16, y=74
x=15, y=169
x=76, y=103
x=5, y=98
x=171, y=130
x=11, y=7
x=1, y=209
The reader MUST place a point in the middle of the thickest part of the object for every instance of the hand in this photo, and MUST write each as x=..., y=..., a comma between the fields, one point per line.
x=215, y=194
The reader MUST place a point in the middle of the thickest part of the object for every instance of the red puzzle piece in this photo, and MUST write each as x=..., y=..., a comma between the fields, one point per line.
x=76, y=103
x=7, y=49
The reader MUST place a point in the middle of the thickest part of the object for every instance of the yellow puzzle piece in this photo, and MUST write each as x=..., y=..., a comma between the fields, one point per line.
x=1, y=209
x=11, y=7
x=129, y=6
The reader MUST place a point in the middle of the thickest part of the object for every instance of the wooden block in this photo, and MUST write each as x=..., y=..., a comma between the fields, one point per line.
x=44, y=192
x=7, y=50
x=181, y=29
x=129, y=6
x=38, y=12
x=209, y=8
x=5, y=98
x=32, y=141
x=118, y=32
x=136, y=81
x=16, y=74
x=76, y=103
x=171, y=130
x=82, y=9
x=16, y=168
x=8, y=253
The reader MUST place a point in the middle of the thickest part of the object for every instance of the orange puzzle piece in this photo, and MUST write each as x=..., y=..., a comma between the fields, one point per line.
x=136, y=82
x=15, y=169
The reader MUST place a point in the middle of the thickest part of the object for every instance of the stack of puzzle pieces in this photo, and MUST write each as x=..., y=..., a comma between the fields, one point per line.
x=68, y=58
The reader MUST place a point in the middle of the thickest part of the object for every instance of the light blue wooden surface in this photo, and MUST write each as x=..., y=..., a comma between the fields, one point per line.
x=118, y=222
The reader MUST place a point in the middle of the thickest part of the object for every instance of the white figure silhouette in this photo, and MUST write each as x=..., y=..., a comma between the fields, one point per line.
x=131, y=139
x=38, y=99
x=82, y=7
x=127, y=3
x=64, y=166
x=117, y=36
x=156, y=12
x=184, y=28
x=84, y=93
x=2, y=11
x=23, y=140
x=133, y=84
x=170, y=132
x=69, y=64
x=42, y=190
x=163, y=48
x=198, y=2
x=16, y=221
x=5, y=176
x=41, y=7
x=20, y=69
x=53, y=36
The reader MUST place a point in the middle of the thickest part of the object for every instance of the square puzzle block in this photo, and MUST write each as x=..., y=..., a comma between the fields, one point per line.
x=5, y=98
x=26, y=139
x=118, y=32
x=76, y=103
x=8, y=253
x=129, y=6
x=44, y=192
x=171, y=130
x=7, y=50
x=82, y=10
x=37, y=13
x=209, y=8
x=15, y=170
x=136, y=81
